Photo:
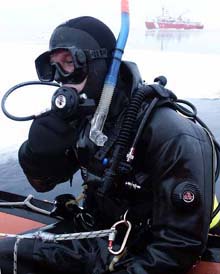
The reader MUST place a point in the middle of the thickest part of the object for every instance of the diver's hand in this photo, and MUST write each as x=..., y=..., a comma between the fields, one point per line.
x=47, y=157
x=49, y=134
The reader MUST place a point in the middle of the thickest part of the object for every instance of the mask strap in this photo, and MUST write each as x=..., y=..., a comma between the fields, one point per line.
x=92, y=54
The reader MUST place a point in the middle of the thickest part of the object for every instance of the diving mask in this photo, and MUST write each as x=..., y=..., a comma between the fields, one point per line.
x=48, y=70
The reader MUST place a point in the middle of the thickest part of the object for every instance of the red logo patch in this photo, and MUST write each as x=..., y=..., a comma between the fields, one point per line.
x=188, y=196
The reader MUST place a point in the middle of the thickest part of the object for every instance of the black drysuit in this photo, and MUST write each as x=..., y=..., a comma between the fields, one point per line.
x=170, y=212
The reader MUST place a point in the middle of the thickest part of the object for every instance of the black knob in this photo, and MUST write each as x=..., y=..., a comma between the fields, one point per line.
x=162, y=80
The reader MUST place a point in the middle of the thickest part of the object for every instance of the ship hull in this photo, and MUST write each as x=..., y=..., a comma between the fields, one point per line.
x=179, y=26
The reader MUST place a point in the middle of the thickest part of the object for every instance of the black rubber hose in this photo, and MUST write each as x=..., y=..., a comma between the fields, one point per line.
x=147, y=113
x=184, y=110
x=130, y=118
x=124, y=138
x=5, y=96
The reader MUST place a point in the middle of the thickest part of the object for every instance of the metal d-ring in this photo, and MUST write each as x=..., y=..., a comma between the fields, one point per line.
x=112, y=236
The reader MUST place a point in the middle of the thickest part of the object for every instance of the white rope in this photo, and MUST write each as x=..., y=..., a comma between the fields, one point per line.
x=15, y=265
x=26, y=203
x=50, y=237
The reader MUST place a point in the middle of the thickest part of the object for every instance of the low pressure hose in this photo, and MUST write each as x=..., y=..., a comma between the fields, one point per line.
x=124, y=139
x=130, y=118
x=11, y=90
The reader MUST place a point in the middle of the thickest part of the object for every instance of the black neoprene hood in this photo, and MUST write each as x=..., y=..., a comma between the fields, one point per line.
x=83, y=32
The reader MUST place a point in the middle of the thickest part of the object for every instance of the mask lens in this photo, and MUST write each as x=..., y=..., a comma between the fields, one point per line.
x=70, y=65
x=64, y=58
x=75, y=77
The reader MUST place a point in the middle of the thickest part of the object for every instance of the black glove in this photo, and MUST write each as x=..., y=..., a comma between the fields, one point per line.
x=50, y=135
x=48, y=154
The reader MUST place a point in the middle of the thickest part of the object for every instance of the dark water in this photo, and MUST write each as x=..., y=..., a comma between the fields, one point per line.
x=13, y=180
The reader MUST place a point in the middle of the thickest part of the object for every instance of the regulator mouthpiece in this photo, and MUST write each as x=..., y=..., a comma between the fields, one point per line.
x=96, y=134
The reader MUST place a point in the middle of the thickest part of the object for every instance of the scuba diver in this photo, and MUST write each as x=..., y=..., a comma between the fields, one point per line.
x=154, y=169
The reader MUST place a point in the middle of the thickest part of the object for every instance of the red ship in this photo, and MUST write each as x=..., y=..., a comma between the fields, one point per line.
x=165, y=21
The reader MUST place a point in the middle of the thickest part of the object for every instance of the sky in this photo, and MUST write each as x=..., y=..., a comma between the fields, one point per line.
x=35, y=19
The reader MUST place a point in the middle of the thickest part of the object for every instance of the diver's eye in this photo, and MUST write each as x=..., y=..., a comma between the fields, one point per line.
x=69, y=62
